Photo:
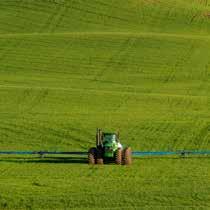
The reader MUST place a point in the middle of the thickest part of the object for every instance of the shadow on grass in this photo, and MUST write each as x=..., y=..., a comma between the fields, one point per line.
x=83, y=160
x=53, y=160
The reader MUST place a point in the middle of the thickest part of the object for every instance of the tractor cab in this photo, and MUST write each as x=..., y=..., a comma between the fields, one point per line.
x=110, y=144
x=109, y=138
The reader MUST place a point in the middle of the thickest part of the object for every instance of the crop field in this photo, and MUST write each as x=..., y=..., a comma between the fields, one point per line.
x=70, y=66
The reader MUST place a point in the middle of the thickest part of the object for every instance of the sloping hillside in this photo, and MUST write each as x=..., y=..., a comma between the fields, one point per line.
x=140, y=66
x=38, y=16
x=57, y=87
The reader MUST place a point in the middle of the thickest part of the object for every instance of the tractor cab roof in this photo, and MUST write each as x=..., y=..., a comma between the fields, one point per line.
x=109, y=134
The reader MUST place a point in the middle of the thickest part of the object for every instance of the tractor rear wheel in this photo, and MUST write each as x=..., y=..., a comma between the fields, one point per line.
x=99, y=157
x=127, y=156
x=92, y=156
x=118, y=156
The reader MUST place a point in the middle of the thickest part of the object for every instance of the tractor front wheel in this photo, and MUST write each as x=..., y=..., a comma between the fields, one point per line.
x=118, y=158
x=99, y=157
x=127, y=156
x=92, y=156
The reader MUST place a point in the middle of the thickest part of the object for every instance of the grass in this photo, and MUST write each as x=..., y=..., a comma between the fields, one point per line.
x=190, y=16
x=145, y=86
x=154, y=183
x=68, y=67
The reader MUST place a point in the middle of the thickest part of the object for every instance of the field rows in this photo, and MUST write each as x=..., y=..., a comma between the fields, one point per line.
x=146, y=86
x=67, y=59
x=48, y=118
x=71, y=15
x=140, y=67
x=184, y=184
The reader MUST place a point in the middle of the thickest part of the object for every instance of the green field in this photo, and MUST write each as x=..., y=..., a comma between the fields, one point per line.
x=69, y=66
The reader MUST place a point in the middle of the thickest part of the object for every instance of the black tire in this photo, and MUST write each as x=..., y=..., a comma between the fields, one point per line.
x=118, y=156
x=92, y=156
x=99, y=157
x=127, y=156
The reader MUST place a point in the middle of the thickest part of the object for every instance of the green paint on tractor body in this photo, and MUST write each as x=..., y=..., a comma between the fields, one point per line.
x=107, y=143
x=110, y=144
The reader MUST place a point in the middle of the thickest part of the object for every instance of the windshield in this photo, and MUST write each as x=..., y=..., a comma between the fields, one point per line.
x=109, y=138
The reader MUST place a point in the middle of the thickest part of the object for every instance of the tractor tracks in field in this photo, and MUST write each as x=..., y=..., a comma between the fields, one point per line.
x=35, y=101
x=5, y=52
x=54, y=19
x=117, y=57
x=28, y=101
x=114, y=92
x=58, y=133
x=180, y=61
x=5, y=170
x=107, y=34
x=64, y=10
x=201, y=138
x=14, y=129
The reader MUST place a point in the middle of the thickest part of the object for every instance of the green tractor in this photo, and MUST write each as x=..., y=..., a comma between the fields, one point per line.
x=109, y=149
